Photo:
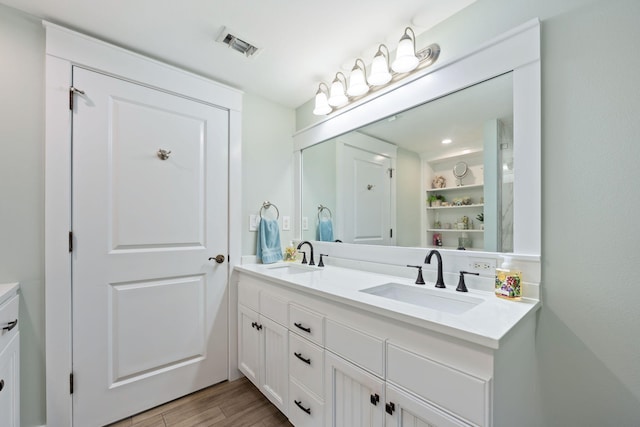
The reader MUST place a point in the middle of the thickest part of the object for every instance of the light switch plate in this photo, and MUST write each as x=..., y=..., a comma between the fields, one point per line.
x=286, y=223
x=305, y=223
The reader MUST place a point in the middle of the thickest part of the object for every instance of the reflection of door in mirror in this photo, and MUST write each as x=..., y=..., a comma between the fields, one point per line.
x=477, y=124
x=364, y=191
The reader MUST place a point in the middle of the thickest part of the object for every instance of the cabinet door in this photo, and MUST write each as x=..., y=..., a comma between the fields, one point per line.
x=354, y=397
x=249, y=344
x=274, y=366
x=10, y=384
x=405, y=410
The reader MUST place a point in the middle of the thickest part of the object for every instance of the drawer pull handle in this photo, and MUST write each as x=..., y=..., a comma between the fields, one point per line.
x=299, y=405
x=299, y=356
x=10, y=325
x=390, y=407
x=1, y=384
x=299, y=326
x=375, y=398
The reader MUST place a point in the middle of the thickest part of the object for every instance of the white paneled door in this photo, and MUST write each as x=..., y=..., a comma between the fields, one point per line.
x=149, y=306
x=366, y=197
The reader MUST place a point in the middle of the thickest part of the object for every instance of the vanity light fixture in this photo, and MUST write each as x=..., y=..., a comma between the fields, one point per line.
x=380, y=74
x=358, y=79
x=337, y=96
x=322, y=104
x=407, y=61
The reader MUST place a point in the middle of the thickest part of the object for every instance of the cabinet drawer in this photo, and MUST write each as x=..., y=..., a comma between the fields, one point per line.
x=8, y=319
x=305, y=410
x=248, y=294
x=355, y=346
x=274, y=308
x=463, y=394
x=306, y=363
x=307, y=323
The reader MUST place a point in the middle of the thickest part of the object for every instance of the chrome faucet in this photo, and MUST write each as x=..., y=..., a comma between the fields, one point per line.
x=427, y=260
x=311, y=262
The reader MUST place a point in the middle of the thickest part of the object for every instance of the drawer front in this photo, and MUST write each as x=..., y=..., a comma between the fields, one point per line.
x=307, y=323
x=306, y=363
x=8, y=321
x=248, y=292
x=465, y=395
x=305, y=410
x=274, y=308
x=355, y=346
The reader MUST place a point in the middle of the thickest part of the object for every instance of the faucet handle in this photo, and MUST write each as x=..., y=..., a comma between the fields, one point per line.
x=321, y=263
x=462, y=287
x=419, y=279
x=304, y=257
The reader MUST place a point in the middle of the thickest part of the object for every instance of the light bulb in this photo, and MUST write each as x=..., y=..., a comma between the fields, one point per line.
x=337, y=98
x=357, y=82
x=322, y=106
x=380, y=74
x=406, y=59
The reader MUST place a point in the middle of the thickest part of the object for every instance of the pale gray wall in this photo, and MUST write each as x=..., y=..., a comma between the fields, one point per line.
x=22, y=193
x=588, y=353
x=267, y=164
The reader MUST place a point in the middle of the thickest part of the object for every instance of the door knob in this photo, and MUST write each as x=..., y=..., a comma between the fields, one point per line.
x=219, y=258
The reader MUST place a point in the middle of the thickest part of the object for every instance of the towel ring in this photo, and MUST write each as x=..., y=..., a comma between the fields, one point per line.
x=266, y=205
x=324, y=208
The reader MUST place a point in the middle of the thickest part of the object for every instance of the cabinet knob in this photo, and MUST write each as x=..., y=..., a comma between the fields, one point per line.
x=375, y=398
x=390, y=407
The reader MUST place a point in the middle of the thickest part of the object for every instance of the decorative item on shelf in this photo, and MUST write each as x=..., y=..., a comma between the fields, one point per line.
x=460, y=170
x=439, y=182
x=462, y=201
x=480, y=217
x=463, y=223
x=464, y=242
x=437, y=225
x=437, y=239
x=435, y=200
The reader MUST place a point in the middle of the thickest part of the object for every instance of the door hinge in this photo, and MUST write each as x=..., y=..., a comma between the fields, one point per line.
x=390, y=172
x=72, y=92
x=71, y=383
x=391, y=232
x=70, y=241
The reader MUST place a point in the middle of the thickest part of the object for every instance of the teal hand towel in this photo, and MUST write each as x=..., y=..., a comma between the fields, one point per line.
x=269, y=249
x=325, y=230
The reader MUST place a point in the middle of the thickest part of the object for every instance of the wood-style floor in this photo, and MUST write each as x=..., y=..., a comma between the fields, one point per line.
x=232, y=404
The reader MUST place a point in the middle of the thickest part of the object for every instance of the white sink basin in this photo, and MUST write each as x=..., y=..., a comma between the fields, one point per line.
x=293, y=268
x=428, y=298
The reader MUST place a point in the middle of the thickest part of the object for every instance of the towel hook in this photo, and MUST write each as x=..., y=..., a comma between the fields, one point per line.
x=323, y=208
x=266, y=205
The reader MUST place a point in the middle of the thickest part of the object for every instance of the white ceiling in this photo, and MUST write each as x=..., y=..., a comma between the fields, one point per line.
x=301, y=42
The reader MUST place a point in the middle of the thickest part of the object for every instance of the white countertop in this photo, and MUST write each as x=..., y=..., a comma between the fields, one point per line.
x=7, y=290
x=485, y=324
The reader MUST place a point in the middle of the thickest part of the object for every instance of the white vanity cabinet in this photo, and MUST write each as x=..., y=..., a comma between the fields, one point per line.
x=351, y=366
x=9, y=357
x=263, y=343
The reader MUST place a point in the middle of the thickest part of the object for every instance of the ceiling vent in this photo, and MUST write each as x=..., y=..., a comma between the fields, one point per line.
x=236, y=43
